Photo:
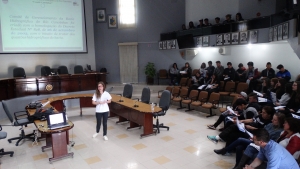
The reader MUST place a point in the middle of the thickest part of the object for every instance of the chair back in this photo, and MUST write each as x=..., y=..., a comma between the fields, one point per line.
x=169, y=88
x=175, y=91
x=229, y=87
x=193, y=94
x=78, y=69
x=241, y=87
x=213, y=97
x=183, y=81
x=127, y=92
x=146, y=95
x=5, y=108
x=19, y=72
x=221, y=85
x=203, y=96
x=165, y=100
x=195, y=71
x=45, y=71
x=63, y=70
x=234, y=99
x=184, y=92
x=163, y=73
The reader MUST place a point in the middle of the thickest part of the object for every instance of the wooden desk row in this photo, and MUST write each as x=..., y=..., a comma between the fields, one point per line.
x=58, y=139
x=19, y=87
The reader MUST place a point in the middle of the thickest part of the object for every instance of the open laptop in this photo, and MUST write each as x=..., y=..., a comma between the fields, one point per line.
x=57, y=120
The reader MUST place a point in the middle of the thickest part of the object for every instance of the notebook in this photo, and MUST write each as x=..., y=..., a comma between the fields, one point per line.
x=57, y=120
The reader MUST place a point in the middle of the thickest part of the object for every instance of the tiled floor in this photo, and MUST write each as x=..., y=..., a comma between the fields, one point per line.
x=184, y=146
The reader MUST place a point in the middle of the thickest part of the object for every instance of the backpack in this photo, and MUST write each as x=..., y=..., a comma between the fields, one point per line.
x=41, y=114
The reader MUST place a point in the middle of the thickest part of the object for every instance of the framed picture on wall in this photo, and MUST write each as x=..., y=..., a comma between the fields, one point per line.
x=173, y=44
x=279, y=34
x=226, y=40
x=160, y=45
x=112, y=21
x=285, y=31
x=169, y=44
x=243, y=37
x=271, y=34
x=101, y=15
x=164, y=44
x=253, y=36
x=275, y=33
x=199, y=41
x=234, y=38
x=219, y=39
x=205, y=41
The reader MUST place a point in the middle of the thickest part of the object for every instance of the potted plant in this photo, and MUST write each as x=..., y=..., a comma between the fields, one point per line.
x=150, y=72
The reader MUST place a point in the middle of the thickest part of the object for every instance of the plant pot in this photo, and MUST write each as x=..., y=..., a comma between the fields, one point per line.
x=150, y=80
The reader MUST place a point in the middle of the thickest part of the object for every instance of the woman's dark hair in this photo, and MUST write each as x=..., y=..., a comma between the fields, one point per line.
x=191, y=25
x=289, y=89
x=268, y=82
x=274, y=80
x=203, y=65
x=269, y=110
x=241, y=65
x=240, y=15
x=281, y=89
x=98, y=94
x=175, y=64
x=281, y=119
x=297, y=92
x=187, y=64
x=294, y=124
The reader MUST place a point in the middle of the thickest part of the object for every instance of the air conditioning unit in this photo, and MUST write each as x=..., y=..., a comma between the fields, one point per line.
x=188, y=54
x=222, y=50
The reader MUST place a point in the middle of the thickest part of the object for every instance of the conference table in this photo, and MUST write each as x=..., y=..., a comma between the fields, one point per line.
x=137, y=113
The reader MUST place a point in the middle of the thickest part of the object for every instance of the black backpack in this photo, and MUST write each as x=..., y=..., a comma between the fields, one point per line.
x=41, y=114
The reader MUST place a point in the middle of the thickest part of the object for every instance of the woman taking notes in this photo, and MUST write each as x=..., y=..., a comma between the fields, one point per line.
x=100, y=99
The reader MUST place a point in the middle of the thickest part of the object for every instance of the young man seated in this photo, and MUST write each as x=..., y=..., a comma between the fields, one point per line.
x=283, y=73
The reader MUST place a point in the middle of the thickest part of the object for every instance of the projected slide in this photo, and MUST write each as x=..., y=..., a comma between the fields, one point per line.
x=42, y=26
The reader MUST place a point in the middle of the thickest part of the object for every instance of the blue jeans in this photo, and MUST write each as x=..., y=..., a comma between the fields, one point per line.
x=240, y=144
x=251, y=152
x=99, y=117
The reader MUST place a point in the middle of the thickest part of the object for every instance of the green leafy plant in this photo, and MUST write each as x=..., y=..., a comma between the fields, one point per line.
x=150, y=70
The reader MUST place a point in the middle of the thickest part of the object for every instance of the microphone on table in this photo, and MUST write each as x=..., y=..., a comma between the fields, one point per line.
x=121, y=98
x=135, y=105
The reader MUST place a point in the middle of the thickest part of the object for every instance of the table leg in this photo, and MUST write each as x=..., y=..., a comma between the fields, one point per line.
x=59, y=146
x=148, y=125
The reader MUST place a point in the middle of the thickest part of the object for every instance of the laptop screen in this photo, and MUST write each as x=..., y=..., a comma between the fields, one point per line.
x=56, y=118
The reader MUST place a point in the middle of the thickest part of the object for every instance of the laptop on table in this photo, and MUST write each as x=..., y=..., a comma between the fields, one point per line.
x=57, y=120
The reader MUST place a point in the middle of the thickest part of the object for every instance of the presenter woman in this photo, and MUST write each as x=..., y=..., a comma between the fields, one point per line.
x=100, y=99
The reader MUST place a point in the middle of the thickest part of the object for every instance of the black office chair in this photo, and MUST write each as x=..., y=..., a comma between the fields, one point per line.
x=78, y=69
x=63, y=70
x=127, y=91
x=19, y=72
x=145, y=98
x=164, y=104
x=45, y=71
x=21, y=119
x=2, y=152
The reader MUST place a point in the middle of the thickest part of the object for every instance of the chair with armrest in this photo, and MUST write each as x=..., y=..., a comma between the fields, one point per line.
x=21, y=119
x=78, y=69
x=170, y=88
x=241, y=87
x=164, y=104
x=192, y=97
x=19, y=72
x=63, y=70
x=145, y=98
x=212, y=103
x=202, y=98
x=229, y=88
x=183, y=95
x=162, y=74
x=3, y=135
x=127, y=91
x=45, y=71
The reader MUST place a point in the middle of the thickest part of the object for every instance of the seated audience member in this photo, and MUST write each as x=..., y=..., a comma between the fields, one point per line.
x=191, y=25
x=251, y=75
x=280, y=88
x=274, y=82
x=213, y=85
x=288, y=139
x=202, y=70
x=283, y=73
x=266, y=88
x=232, y=133
x=240, y=71
x=228, y=19
x=200, y=24
x=274, y=129
x=187, y=71
x=183, y=27
x=210, y=69
x=268, y=72
x=206, y=22
x=293, y=104
x=229, y=72
x=238, y=17
x=298, y=78
x=174, y=73
x=286, y=96
x=219, y=70
x=197, y=80
x=217, y=20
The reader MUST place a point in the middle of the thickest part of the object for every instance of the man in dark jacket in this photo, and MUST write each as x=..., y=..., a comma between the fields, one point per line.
x=210, y=69
x=268, y=72
x=229, y=72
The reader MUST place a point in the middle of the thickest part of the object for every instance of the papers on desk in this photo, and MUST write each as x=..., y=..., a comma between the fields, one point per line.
x=278, y=107
x=262, y=100
x=295, y=116
x=258, y=94
x=182, y=72
x=44, y=104
x=255, y=146
x=201, y=87
x=226, y=78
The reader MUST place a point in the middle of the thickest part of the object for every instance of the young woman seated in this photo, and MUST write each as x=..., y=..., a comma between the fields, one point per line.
x=286, y=96
x=293, y=104
x=213, y=86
